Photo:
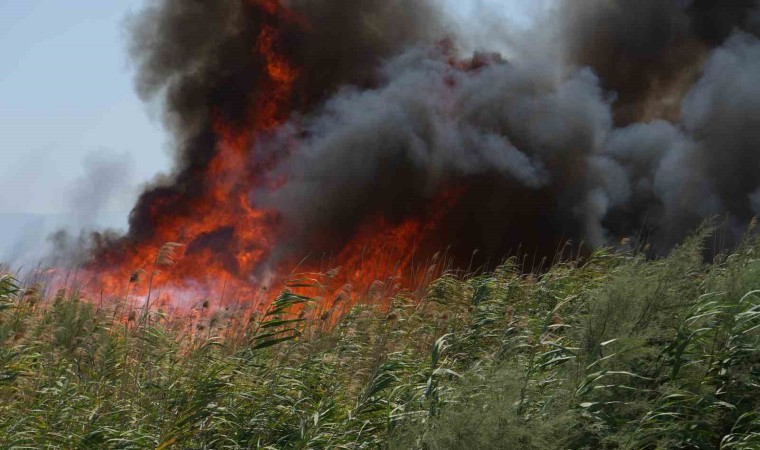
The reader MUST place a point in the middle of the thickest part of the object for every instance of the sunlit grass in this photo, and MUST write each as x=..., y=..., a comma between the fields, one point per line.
x=614, y=351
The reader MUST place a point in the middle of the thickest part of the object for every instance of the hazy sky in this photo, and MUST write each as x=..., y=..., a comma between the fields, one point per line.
x=66, y=99
x=66, y=93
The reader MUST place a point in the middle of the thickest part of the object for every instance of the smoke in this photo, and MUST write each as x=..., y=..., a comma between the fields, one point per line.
x=388, y=151
x=611, y=118
x=530, y=132
x=103, y=186
x=347, y=39
x=755, y=199
x=494, y=25
x=649, y=51
x=204, y=59
x=93, y=200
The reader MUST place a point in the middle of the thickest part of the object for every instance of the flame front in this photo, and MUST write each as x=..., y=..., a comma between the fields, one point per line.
x=225, y=239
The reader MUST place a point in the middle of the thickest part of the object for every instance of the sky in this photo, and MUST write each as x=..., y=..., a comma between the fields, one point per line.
x=66, y=97
x=67, y=102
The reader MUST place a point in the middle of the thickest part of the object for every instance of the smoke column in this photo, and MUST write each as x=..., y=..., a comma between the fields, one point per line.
x=199, y=56
x=634, y=115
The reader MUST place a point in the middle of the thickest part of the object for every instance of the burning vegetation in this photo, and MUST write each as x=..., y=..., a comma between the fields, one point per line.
x=326, y=151
x=353, y=135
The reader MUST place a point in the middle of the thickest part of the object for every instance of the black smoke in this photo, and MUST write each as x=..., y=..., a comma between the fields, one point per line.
x=647, y=120
x=648, y=52
x=200, y=58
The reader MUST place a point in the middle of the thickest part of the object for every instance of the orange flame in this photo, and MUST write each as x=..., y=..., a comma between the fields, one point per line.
x=224, y=211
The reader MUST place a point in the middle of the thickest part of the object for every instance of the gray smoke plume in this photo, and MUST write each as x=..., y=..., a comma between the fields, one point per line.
x=201, y=57
x=106, y=180
x=649, y=51
x=92, y=201
x=530, y=132
x=612, y=118
x=388, y=151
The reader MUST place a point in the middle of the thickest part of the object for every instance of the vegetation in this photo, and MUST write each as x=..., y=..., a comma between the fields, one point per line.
x=613, y=352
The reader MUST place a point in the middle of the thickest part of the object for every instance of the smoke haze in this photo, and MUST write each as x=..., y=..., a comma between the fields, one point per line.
x=90, y=202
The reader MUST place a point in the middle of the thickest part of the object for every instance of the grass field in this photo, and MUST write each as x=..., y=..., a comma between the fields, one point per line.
x=611, y=352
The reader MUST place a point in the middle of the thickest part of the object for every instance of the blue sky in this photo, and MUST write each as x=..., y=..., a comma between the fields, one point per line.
x=66, y=94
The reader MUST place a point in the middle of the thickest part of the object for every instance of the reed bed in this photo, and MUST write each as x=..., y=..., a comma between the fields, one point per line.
x=613, y=351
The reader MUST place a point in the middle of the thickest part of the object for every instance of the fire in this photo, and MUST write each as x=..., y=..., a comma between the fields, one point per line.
x=226, y=239
x=382, y=251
